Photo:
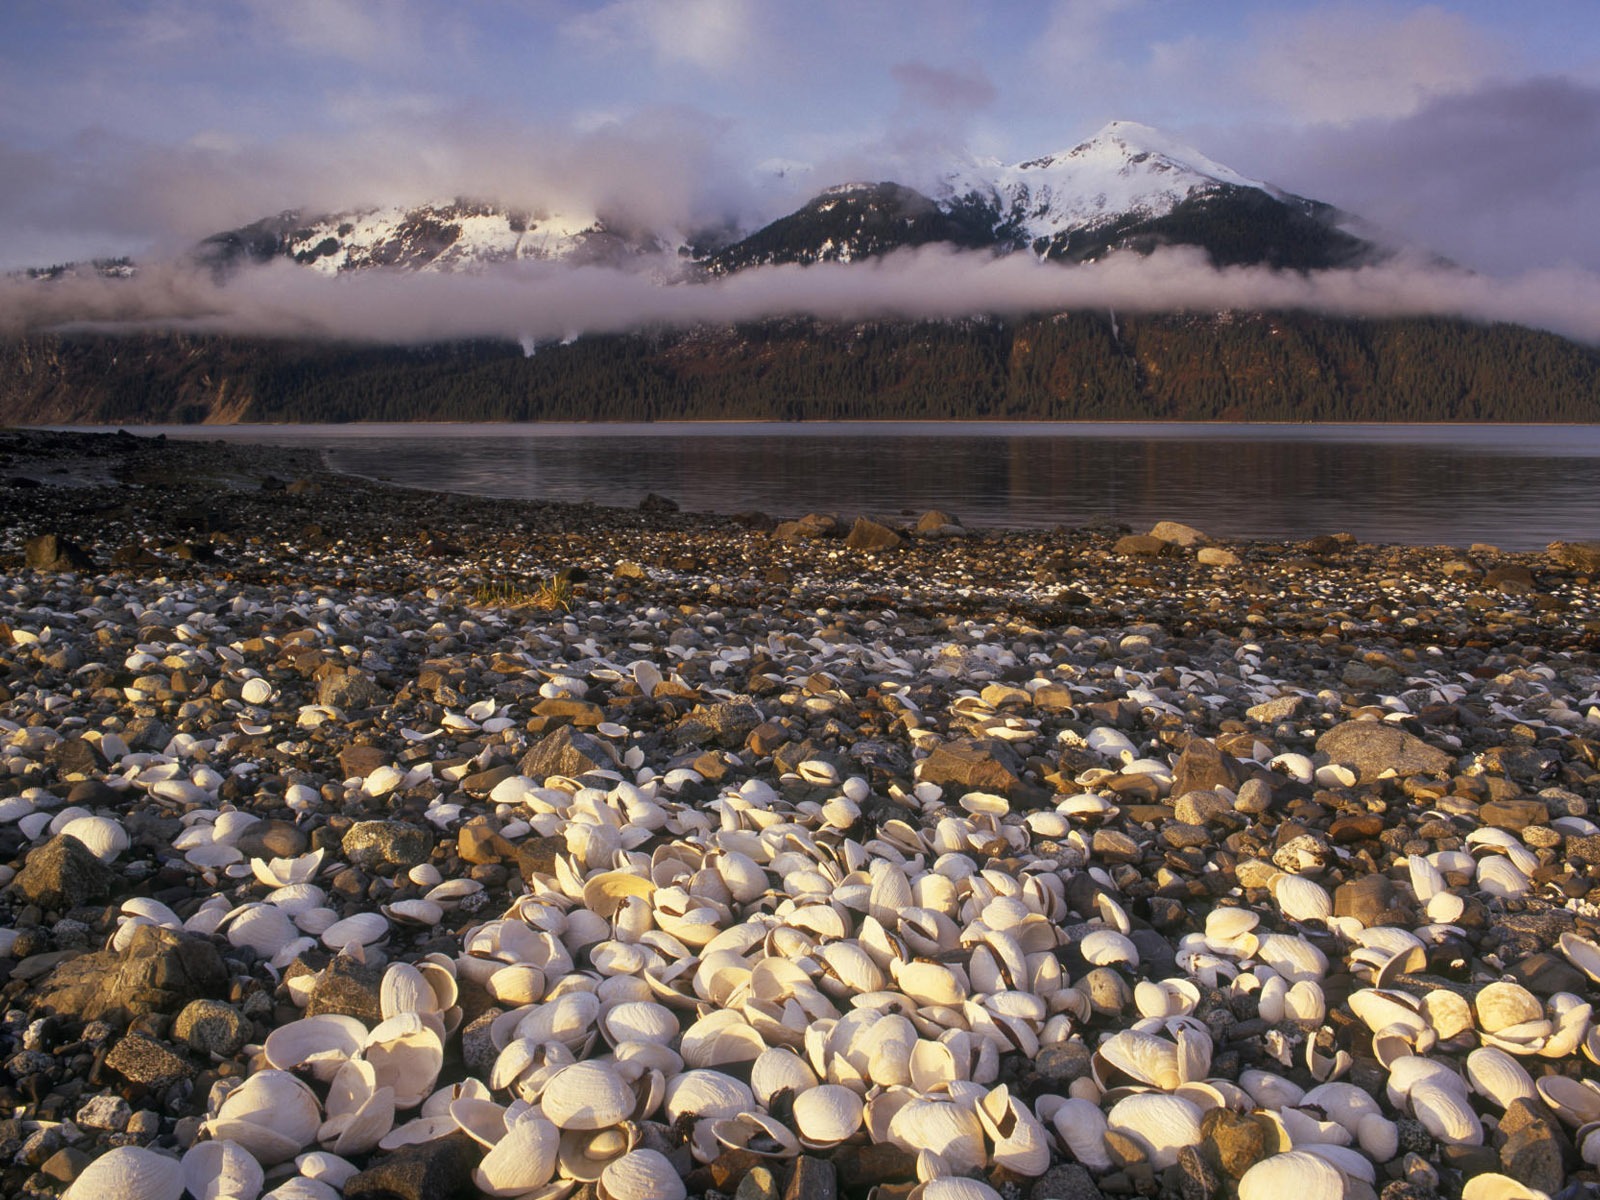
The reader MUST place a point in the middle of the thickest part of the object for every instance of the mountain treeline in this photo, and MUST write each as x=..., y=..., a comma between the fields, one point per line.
x=1080, y=366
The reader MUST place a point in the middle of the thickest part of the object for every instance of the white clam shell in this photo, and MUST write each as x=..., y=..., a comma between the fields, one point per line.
x=1498, y=1077
x=949, y=1130
x=826, y=1115
x=1296, y=1173
x=587, y=1096
x=641, y=1175
x=406, y=1053
x=272, y=1115
x=361, y=929
x=130, y=1173
x=101, y=836
x=324, y=1042
x=706, y=1093
x=521, y=1161
x=779, y=1069
x=1446, y=1114
x=1163, y=1125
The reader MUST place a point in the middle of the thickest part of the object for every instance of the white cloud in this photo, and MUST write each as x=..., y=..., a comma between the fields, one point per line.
x=1350, y=63
x=715, y=36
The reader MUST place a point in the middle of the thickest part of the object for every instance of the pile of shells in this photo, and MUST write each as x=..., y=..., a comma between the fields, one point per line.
x=768, y=919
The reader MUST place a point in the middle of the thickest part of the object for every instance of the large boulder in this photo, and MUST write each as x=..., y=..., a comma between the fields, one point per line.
x=973, y=764
x=1175, y=533
x=1374, y=748
x=158, y=971
x=52, y=552
x=383, y=847
x=565, y=752
x=63, y=874
x=868, y=536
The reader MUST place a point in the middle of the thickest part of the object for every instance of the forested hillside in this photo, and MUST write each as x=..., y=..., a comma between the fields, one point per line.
x=1279, y=367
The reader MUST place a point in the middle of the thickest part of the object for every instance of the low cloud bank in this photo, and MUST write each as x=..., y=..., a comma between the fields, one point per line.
x=536, y=303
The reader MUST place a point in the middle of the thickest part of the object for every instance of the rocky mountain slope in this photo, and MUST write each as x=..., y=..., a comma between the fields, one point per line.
x=1128, y=187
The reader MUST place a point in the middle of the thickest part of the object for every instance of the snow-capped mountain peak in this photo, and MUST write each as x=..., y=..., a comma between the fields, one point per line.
x=1126, y=169
x=447, y=235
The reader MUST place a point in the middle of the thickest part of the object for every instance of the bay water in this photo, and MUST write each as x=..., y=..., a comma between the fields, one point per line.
x=1514, y=486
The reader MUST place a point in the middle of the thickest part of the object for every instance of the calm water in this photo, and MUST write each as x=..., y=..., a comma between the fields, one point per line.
x=1517, y=487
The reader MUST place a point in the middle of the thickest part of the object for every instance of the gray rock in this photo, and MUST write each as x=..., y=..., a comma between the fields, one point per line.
x=812, y=1179
x=1575, y=556
x=377, y=846
x=435, y=1170
x=868, y=537
x=726, y=724
x=976, y=764
x=143, y=1060
x=63, y=874
x=104, y=1112
x=350, y=689
x=211, y=1027
x=52, y=552
x=157, y=972
x=1178, y=534
x=1069, y=1181
x=272, y=839
x=348, y=988
x=565, y=752
x=1373, y=747
x=1203, y=767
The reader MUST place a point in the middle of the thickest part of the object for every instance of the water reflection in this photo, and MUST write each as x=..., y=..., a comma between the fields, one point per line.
x=1517, y=487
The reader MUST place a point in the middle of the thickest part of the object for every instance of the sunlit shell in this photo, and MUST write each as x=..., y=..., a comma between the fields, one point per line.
x=1502, y=1005
x=1019, y=1140
x=129, y=1173
x=826, y=1115
x=1142, y=1057
x=322, y=1043
x=101, y=836
x=272, y=1115
x=1491, y=1185
x=1301, y=899
x=522, y=1160
x=1498, y=1076
x=641, y=1175
x=585, y=1153
x=1445, y=1113
x=949, y=1130
x=779, y=1069
x=1581, y=953
x=1081, y=1126
x=1107, y=947
x=264, y=928
x=1297, y=1174
x=407, y=1055
x=1576, y=1102
x=707, y=1094
x=220, y=1171
x=587, y=1095
x=1163, y=1125
x=362, y=929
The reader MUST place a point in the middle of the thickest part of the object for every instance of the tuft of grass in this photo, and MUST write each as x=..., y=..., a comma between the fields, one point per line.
x=546, y=594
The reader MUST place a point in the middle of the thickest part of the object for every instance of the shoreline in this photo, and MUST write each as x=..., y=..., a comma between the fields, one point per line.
x=1195, y=768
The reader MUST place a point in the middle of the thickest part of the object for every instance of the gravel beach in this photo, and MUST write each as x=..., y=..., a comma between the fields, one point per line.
x=373, y=843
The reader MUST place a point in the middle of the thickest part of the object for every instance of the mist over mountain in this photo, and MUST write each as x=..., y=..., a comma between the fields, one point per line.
x=1128, y=187
x=621, y=315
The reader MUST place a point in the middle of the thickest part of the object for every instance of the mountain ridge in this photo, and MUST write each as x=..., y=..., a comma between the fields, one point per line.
x=1119, y=189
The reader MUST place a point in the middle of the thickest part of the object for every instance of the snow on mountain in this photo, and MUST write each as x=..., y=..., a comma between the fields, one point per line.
x=446, y=236
x=1077, y=204
x=1126, y=169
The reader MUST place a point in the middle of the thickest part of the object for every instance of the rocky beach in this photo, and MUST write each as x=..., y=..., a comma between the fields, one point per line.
x=373, y=843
